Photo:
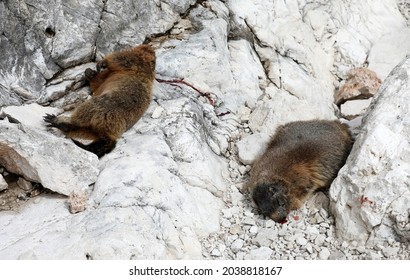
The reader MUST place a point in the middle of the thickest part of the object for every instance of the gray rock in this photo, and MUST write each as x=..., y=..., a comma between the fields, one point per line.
x=261, y=253
x=389, y=51
x=319, y=240
x=237, y=245
x=390, y=251
x=30, y=115
x=364, y=197
x=24, y=184
x=160, y=193
x=265, y=237
x=57, y=163
x=3, y=184
x=301, y=241
x=250, y=147
x=324, y=254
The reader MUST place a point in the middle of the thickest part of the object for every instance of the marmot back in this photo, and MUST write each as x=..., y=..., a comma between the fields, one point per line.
x=122, y=92
x=301, y=158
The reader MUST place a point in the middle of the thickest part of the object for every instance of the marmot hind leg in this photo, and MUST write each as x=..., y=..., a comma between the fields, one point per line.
x=99, y=147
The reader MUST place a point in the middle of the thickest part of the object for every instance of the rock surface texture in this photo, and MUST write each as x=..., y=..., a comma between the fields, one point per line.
x=371, y=195
x=228, y=74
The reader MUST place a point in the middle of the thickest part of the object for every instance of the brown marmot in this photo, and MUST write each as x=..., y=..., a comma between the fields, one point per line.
x=122, y=91
x=301, y=158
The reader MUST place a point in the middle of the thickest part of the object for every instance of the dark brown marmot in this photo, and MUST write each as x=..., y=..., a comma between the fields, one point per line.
x=122, y=91
x=301, y=158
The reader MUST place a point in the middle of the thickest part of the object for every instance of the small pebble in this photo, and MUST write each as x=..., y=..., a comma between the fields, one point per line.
x=301, y=241
x=237, y=245
x=324, y=254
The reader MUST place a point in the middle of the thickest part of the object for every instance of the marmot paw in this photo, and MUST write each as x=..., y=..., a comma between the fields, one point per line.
x=50, y=119
x=89, y=74
x=101, y=65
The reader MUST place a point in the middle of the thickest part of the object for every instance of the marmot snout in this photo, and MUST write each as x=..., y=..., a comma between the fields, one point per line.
x=301, y=158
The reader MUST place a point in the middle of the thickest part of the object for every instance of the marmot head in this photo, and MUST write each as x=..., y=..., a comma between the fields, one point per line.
x=147, y=55
x=140, y=59
x=272, y=200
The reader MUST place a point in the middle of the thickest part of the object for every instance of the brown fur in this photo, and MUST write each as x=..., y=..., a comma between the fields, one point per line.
x=122, y=92
x=301, y=158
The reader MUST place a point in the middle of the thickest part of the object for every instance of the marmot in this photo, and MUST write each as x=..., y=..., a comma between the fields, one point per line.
x=122, y=91
x=301, y=158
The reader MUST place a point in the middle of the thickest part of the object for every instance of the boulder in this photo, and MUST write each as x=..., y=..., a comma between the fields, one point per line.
x=57, y=163
x=370, y=197
x=3, y=184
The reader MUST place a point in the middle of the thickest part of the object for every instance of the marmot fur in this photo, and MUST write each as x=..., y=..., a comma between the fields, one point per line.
x=301, y=158
x=122, y=91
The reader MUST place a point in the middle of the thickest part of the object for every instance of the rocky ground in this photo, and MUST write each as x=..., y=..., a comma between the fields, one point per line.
x=309, y=233
x=228, y=74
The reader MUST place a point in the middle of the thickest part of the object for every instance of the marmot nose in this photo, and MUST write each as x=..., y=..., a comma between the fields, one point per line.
x=279, y=216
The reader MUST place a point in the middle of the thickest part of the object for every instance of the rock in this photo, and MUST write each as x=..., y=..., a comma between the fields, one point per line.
x=44, y=158
x=390, y=251
x=265, y=237
x=318, y=201
x=373, y=255
x=248, y=81
x=234, y=68
x=371, y=190
x=388, y=51
x=253, y=230
x=230, y=212
x=216, y=253
x=77, y=201
x=250, y=147
x=353, y=50
x=24, y=184
x=313, y=231
x=3, y=184
x=337, y=255
x=236, y=229
x=280, y=108
x=309, y=249
x=249, y=221
x=353, y=108
x=157, y=112
x=261, y=253
x=237, y=245
x=30, y=115
x=244, y=113
x=320, y=240
x=301, y=241
x=361, y=83
x=324, y=254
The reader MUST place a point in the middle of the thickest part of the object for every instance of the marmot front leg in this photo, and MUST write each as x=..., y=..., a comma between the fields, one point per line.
x=54, y=121
x=102, y=64
x=95, y=79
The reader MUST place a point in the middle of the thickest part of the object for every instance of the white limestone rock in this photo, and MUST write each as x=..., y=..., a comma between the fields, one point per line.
x=3, y=184
x=389, y=51
x=261, y=253
x=30, y=115
x=57, y=163
x=354, y=108
x=252, y=146
x=248, y=76
x=161, y=191
x=370, y=196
